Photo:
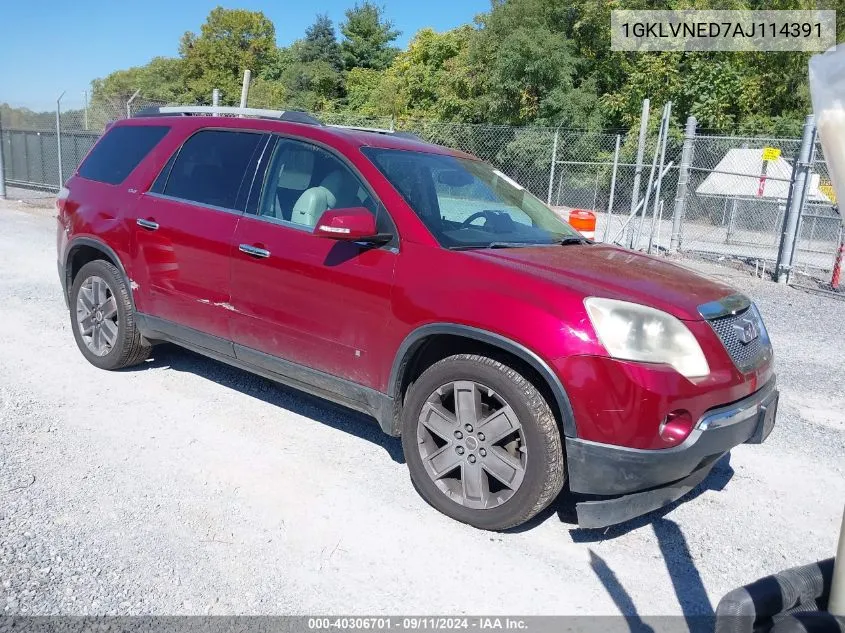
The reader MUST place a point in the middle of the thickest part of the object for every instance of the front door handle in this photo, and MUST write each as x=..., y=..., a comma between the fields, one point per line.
x=254, y=251
x=147, y=224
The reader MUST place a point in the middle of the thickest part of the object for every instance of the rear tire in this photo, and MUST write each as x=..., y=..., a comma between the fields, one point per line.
x=481, y=443
x=103, y=319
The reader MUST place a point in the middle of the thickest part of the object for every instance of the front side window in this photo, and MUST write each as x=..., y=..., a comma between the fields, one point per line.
x=467, y=203
x=211, y=167
x=303, y=181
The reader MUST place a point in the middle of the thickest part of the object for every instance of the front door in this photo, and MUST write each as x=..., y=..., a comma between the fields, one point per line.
x=313, y=301
x=183, y=229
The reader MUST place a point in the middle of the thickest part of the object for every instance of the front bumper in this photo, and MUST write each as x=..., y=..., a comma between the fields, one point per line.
x=650, y=479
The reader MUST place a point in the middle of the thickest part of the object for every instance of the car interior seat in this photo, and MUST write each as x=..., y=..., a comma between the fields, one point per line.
x=292, y=172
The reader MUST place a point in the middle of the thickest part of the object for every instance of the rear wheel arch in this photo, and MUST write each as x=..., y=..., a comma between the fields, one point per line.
x=85, y=249
x=430, y=343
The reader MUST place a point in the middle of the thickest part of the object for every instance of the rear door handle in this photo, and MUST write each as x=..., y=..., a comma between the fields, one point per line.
x=147, y=224
x=254, y=251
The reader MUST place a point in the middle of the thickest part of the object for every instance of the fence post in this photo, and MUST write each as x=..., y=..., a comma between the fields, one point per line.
x=635, y=194
x=2, y=169
x=612, y=189
x=59, y=139
x=129, y=103
x=215, y=97
x=245, y=87
x=657, y=201
x=683, y=184
x=554, y=163
x=795, y=201
x=635, y=236
x=734, y=202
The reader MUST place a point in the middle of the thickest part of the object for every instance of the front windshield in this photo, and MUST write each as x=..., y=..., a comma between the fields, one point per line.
x=467, y=203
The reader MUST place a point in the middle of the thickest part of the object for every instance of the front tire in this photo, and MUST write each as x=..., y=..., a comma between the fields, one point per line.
x=103, y=319
x=481, y=443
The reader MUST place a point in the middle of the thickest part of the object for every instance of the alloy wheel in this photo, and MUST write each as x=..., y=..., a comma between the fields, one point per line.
x=96, y=315
x=472, y=444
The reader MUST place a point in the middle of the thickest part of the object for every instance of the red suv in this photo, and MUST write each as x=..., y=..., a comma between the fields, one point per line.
x=424, y=287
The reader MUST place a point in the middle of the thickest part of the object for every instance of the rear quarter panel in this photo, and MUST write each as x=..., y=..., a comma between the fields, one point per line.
x=105, y=213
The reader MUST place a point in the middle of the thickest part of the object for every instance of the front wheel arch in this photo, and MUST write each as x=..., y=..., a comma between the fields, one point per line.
x=406, y=365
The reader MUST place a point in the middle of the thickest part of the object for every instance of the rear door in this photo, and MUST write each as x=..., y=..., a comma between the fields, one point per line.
x=183, y=233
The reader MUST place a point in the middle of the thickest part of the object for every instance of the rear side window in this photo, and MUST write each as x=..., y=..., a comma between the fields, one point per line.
x=211, y=166
x=120, y=151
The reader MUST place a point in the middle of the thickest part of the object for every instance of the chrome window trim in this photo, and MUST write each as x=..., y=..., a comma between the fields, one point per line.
x=280, y=222
x=193, y=203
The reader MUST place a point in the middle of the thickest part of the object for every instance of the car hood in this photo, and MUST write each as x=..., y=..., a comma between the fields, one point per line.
x=607, y=271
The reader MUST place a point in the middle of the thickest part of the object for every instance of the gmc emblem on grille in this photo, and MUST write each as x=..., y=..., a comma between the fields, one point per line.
x=746, y=331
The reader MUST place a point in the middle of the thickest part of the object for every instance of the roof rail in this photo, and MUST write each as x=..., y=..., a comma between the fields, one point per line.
x=292, y=116
x=379, y=130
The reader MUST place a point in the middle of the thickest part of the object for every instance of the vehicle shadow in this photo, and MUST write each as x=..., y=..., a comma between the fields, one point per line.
x=687, y=584
x=620, y=596
x=299, y=402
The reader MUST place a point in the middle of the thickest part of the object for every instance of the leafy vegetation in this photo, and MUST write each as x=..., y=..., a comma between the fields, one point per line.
x=524, y=62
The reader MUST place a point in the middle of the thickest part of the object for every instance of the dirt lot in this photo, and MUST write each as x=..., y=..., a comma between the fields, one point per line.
x=185, y=486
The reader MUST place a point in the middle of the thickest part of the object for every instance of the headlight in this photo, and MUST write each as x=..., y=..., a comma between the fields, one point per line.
x=631, y=331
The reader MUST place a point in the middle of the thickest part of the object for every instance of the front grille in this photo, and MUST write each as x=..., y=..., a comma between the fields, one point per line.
x=734, y=330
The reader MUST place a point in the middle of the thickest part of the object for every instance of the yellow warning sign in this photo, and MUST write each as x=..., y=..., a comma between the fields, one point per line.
x=771, y=153
x=827, y=189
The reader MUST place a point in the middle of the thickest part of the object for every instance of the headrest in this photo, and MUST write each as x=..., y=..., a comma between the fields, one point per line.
x=297, y=165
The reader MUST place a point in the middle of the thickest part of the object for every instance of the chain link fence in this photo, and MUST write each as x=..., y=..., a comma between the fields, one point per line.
x=737, y=202
x=41, y=151
x=733, y=203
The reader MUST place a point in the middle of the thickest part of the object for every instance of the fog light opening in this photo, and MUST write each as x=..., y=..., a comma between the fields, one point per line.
x=675, y=427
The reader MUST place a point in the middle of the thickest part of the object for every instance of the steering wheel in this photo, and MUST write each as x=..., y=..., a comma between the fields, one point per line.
x=478, y=214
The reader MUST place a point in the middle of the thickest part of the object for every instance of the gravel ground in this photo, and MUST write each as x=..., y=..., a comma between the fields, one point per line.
x=187, y=487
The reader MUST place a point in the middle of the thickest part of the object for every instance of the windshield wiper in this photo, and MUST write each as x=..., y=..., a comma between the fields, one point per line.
x=572, y=239
x=466, y=247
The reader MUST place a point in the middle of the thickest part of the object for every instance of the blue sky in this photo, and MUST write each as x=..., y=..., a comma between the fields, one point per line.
x=48, y=46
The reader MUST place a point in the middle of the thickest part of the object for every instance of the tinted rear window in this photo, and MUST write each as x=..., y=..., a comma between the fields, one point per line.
x=211, y=166
x=120, y=151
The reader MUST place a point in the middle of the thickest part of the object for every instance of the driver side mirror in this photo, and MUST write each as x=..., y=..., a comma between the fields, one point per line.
x=355, y=224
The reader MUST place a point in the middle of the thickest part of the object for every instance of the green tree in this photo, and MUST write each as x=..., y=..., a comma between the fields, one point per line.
x=320, y=44
x=422, y=71
x=160, y=80
x=525, y=70
x=23, y=118
x=362, y=91
x=230, y=41
x=367, y=38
